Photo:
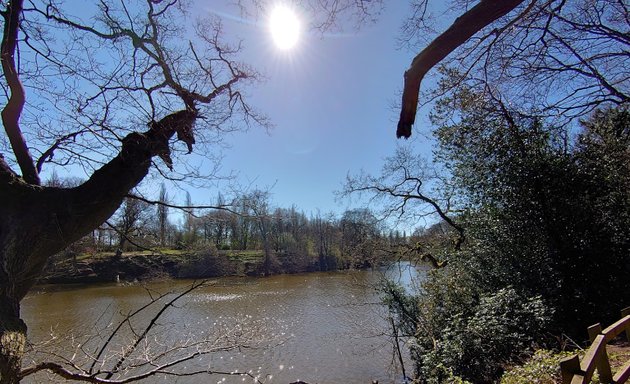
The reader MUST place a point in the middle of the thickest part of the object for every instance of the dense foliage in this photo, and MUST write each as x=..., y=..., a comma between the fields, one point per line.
x=543, y=368
x=547, y=217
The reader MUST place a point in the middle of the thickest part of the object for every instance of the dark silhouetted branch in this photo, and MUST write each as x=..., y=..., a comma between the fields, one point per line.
x=464, y=27
x=13, y=109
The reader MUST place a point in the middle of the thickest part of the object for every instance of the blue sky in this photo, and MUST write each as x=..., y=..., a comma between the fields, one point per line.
x=331, y=101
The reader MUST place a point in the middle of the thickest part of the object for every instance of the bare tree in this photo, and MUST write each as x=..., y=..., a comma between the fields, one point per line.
x=107, y=93
x=216, y=224
x=241, y=225
x=326, y=235
x=162, y=215
x=257, y=203
x=408, y=190
x=190, y=222
x=132, y=216
x=360, y=238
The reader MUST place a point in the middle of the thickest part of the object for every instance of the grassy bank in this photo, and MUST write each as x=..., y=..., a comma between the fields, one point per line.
x=154, y=264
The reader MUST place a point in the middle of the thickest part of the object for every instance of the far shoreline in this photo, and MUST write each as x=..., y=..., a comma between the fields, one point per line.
x=137, y=267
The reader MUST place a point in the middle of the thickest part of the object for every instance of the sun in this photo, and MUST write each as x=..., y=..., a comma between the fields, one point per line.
x=285, y=27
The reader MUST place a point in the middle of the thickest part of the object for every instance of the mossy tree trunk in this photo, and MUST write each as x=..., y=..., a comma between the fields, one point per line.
x=12, y=341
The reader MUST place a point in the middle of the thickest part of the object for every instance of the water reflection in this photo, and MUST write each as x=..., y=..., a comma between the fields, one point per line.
x=320, y=327
x=407, y=274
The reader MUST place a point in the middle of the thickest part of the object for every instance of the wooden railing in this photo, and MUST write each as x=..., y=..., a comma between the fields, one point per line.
x=575, y=371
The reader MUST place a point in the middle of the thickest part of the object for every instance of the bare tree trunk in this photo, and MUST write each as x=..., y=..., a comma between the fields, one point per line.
x=12, y=340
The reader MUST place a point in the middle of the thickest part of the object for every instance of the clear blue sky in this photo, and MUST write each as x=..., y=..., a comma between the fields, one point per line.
x=331, y=100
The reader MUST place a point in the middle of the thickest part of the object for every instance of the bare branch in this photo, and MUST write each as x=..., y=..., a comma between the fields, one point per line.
x=49, y=153
x=185, y=208
x=400, y=183
x=120, y=325
x=60, y=370
x=471, y=22
x=150, y=325
x=13, y=109
x=167, y=362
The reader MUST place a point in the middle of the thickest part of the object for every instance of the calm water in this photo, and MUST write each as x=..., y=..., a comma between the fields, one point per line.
x=319, y=327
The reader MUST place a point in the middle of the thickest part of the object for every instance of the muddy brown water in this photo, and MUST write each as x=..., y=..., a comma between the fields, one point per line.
x=317, y=327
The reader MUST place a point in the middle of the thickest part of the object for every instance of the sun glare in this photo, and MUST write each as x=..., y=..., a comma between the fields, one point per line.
x=285, y=27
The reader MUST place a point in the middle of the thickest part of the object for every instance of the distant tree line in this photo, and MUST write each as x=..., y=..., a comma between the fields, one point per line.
x=355, y=239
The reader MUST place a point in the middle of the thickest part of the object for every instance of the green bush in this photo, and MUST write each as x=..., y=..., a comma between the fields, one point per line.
x=542, y=368
x=458, y=332
x=478, y=345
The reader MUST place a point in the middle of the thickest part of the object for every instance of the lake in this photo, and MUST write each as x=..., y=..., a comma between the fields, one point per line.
x=317, y=327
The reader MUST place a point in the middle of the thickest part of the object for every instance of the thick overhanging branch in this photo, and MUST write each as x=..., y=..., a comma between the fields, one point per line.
x=40, y=221
x=464, y=27
x=112, y=182
x=13, y=109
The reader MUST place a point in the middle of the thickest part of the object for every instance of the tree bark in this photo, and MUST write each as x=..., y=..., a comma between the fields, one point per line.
x=464, y=27
x=13, y=109
x=12, y=341
x=36, y=222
